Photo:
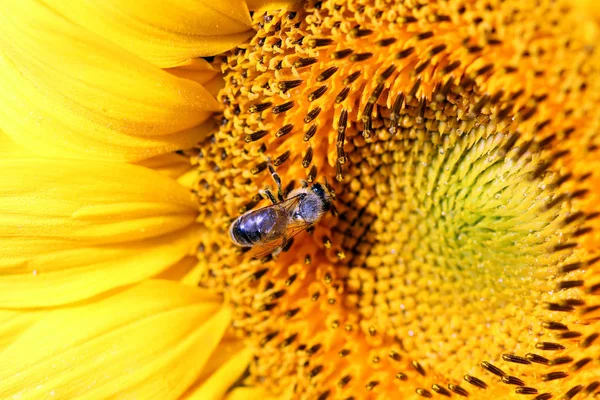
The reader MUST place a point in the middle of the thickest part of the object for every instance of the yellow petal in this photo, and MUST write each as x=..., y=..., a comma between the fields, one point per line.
x=150, y=341
x=65, y=91
x=164, y=33
x=261, y=6
x=9, y=148
x=198, y=70
x=171, y=164
x=251, y=393
x=228, y=363
x=70, y=229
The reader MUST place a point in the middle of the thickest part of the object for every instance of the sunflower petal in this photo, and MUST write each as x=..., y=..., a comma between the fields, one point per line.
x=171, y=164
x=227, y=364
x=67, y=92
x=71, y=230
x=251, y=393
x=261, y=6
x=164, y=33
x=150, y=341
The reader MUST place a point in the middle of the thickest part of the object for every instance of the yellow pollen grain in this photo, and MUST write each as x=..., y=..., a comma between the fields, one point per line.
x=460, y=140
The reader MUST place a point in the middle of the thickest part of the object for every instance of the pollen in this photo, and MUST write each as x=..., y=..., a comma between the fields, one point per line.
x=460, y=139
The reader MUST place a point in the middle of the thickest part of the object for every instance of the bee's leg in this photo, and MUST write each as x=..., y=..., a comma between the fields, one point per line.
x=267, y=194
x=277, y=180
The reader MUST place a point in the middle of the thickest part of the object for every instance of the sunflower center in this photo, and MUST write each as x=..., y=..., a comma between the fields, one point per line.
x=454, y=260
x=450, y=234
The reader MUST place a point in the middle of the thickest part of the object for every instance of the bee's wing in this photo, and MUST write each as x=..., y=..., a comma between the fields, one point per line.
x=292, y=229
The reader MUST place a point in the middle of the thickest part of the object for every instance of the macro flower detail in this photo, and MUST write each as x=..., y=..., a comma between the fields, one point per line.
x=460, y=141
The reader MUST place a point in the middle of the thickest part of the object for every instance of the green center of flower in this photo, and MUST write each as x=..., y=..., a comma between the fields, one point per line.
x=451, y=234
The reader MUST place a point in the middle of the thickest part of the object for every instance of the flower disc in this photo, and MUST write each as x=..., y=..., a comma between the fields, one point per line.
x=459, y=139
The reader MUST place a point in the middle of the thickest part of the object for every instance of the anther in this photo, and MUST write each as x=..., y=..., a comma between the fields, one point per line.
x=451, y=67
x=342, y=95
x=413, y=91
x=324, y=395
x=290, y=313
x=313, y=350
x=437, y=49
x=283, y=107
x=475, y=381
x=424, y=35
x=258, y=274
x=312, y=115
x=395, y=356
x=358, y=33
x=386, y=42
x=304, y=62
x=360, y=57
x=351, y=78
x=554, y=326
x=405, y=53
x=371, y=385
x=312, y=174
x=267, y=307
x=387, y=73
x=344, y=352
x=317, y=93
x=401, y=376
x=515, y=359
x=287, y=85
x=549, y=346
x=440, y=390
x=323, y=76
x=543, y=396
x=319, y=42
x=492, y=368
x=423, y=392
x=268, y=338
x=536, y=358
x=526, y=390
x=338, y=55
x=561, y=360
x=310, y=132
x=287, y=341
x=568, y=335
x=554, y=375
x=253, y=137
x=571, y=267
x=259, y=168
x=591, y=387
x=580, y=364
x=485, y=69
x=458, y=390
x=558, y=307
x=587, y=342
x=282, y=158
x=315, y=371
x=284, y=130
x=418, y=367
x=344, y=381
x=512, y=380
x=259, y=107
x=307, y=158
x=421, y=67
x=572, y=392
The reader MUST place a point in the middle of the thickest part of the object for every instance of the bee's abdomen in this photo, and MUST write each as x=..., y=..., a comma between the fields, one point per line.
x=244, y=232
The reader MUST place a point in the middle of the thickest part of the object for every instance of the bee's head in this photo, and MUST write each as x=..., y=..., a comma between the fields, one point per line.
x=324, y=194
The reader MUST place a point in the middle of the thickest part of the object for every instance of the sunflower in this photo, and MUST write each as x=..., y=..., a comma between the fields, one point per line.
x=460, y=143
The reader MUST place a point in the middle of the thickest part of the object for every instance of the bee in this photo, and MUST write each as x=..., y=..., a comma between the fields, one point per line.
x=268, y=229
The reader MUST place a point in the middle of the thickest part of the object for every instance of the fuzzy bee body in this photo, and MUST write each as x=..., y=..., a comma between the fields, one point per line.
x=267, y=229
